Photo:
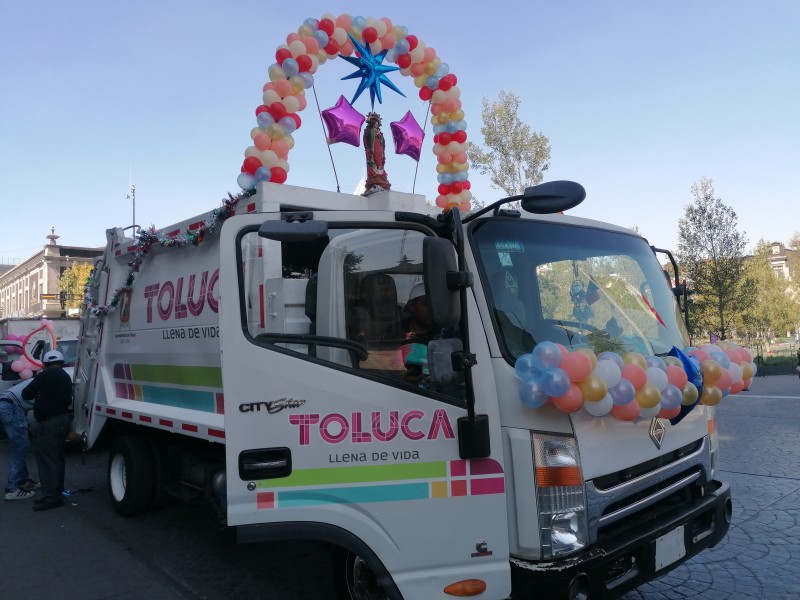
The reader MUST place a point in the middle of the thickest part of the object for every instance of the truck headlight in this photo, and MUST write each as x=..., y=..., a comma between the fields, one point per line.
x=560, y=494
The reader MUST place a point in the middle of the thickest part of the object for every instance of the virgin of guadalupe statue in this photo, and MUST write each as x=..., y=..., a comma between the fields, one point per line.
x=375, y=149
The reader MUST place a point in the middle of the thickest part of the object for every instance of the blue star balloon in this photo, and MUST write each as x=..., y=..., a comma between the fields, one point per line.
x=372, y=72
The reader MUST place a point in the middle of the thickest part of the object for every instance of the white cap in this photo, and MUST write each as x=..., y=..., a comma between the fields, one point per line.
x=53, y=356
x=416, y=291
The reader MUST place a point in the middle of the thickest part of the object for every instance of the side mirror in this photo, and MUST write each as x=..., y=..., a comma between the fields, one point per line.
x=439, y=259
x=552, y=197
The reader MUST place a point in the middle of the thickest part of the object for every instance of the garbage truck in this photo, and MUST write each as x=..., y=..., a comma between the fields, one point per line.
x=261, y=356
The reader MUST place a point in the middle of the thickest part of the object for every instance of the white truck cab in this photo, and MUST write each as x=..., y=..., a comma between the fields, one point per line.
x=274, y=368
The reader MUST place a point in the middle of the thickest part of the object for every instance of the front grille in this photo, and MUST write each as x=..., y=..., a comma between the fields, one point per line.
x=646, y=490
x=611, y=480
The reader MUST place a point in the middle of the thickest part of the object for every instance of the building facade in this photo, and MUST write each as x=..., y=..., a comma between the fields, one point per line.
x=30, y=289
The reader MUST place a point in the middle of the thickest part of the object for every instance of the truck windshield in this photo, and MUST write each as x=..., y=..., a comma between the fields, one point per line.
x=577, y=286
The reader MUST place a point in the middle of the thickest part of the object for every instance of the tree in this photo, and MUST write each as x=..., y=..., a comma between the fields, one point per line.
x=72, y=282
x=516, y=156
x=711, y=252
x=772, y=310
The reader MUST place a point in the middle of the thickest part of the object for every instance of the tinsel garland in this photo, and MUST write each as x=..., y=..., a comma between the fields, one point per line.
x=147, y=238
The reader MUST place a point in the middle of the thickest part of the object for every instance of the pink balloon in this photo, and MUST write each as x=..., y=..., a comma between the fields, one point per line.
x=25, y=374
x=408, y=136
x=17, y=366
x=343, y=122
x=676, y=376
x=626, y=412
x=669, y=413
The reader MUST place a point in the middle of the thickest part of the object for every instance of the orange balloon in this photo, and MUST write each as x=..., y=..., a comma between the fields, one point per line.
x=635, y=374
x=677, y=376
x=590, y=355
x=626, y=412
x=576, y=365
x=669, y=413
x=571, y=401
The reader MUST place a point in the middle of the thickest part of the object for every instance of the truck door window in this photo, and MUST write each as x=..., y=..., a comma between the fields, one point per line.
x=358, y=285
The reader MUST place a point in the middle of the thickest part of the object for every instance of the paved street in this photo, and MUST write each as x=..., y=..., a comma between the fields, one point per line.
x=84, y=551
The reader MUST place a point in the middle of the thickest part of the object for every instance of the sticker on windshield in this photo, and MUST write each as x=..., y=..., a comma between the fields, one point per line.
x=509, y=246
x=505, y=249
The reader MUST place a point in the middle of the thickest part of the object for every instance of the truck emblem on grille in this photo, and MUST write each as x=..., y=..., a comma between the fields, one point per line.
x=657, y=430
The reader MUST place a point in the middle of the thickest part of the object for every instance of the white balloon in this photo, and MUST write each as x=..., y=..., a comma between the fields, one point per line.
x=609, y=372
x=601, y=408
x=649, y=413
x=657, y=377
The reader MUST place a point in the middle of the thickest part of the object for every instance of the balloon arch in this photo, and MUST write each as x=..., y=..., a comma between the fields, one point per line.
x=319, y=40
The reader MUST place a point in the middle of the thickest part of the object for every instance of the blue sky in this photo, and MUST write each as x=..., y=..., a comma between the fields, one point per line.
x=639, y=100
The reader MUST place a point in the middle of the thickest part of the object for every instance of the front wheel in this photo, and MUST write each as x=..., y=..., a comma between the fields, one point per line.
x=130, y=475
x=355, y=580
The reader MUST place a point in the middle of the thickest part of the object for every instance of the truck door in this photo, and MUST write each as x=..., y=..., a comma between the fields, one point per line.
x=334, y=423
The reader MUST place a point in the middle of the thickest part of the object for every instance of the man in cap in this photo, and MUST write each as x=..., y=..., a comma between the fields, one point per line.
x=12, y=415
x=52, y=389
x=414, y=353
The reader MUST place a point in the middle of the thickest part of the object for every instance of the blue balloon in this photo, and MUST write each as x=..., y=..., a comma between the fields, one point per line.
x=359, y=22
x=613, y=357
x=442, y=70
x=263, y=174
x=554, y=381
x=721, y=358
x=290, y=67
x=531, y=393
x=312, y=23
x=402, y=47
x=322, y=38
x=308, y=79
x=525, y=367
x=288, y=123
x=657, y=362
x=546, y=355
x=265, y=119
x=671, y=397
x=623, y=392
x=432, y=82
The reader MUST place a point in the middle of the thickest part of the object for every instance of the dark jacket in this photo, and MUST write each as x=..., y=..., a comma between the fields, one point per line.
x=52, y=389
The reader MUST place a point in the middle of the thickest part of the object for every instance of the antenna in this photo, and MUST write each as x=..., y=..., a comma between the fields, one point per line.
x=132, y=196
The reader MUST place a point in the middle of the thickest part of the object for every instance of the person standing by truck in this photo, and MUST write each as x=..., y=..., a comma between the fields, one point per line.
x=12, y=415
x=52, y=389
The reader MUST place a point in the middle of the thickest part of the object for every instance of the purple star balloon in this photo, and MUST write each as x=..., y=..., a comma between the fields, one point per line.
x=408, y=136
x=343, y=122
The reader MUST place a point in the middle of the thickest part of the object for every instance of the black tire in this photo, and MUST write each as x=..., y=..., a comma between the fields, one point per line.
x=130, y=475
x=354, y=579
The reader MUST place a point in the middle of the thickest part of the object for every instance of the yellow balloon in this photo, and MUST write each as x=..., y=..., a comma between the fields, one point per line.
x=255, y=131
x=747, y=371
x=648, y=396
x=690, y=394
x=634, y=358
x=593, y=388
x=673, y=361
x=711, y=395
x=590, y=355
x=711, y=371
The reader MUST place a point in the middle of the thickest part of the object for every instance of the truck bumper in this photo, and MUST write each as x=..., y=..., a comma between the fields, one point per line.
x=629, y=559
